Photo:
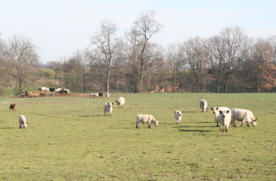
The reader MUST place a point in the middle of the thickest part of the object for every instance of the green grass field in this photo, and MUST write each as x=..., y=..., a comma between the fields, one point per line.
x=69, y=139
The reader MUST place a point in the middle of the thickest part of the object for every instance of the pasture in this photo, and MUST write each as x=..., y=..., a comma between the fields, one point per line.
x=68, y=138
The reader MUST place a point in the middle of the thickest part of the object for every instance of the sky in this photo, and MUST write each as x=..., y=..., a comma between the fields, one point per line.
x=58, y=28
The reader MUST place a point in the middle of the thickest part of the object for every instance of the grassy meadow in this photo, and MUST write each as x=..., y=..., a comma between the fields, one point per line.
x=68, y=138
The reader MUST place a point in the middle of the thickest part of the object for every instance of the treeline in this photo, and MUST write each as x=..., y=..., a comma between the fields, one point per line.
x=227, y=62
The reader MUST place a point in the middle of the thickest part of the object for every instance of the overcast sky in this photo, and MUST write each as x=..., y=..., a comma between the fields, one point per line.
x=60, y=27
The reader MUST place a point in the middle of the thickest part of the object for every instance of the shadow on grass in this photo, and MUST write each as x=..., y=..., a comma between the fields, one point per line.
x=199, y=122
x=190, y=111
x=196, y=126
x=167, y=123
x=7, y=127
x=91, y=115
x=194, y=130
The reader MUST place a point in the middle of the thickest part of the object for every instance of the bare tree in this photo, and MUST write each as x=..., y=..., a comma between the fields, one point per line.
x=145, y=27
x=224, y=50
x=195, y=56
x=4, y=68
x=175, y=58
x=132, y=55
x=21, y=53
x=106, y=41
x=154, y=57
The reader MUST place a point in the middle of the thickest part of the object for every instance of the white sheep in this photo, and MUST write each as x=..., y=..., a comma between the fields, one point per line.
x=96, y=94
x=203, y=105
x=108, y=108
x=66, y=91
x=120, y=102
x=243, y=115
x=225, y=118
x=58, y=89
x=45, y=89
x=146, y=118
x=178, y=116
x=216, y=113
x=107, y=94
x=22, y=121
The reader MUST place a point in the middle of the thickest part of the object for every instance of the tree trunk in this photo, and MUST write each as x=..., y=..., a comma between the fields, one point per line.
x=107, y=80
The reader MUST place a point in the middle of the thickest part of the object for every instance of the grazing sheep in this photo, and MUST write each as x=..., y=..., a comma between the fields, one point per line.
x=178, y=116
x=108, y=108
x=12, y=107
x=120, y=102
x=146, y=118
x=45, y=89
x=22, y=121
x=100, y=94
x=203, y=105
x=225, y=117
x=107, y=94
x=216, y=113
x=243, y=115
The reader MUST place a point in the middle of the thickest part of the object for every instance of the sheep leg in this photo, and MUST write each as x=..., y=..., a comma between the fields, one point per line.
x=242, y=122
x=226, y=129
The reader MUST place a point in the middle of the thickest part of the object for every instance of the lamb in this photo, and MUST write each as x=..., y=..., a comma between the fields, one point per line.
x=12, y=107
x=216, y=113
x=120, y=102
x=178, y=116
x=22, y=121
x=146, y=118
x=108, y=108
x=203, y=105
x=225, y=117
x=243, y=115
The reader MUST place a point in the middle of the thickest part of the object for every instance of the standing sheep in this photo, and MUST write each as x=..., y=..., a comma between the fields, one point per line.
x=216, y=113
x=108, y=108
x=107, y=94
x=243, y=115
x=225, y=117
x=120, y=102
x=178, y=116
x=203, y=105
x=146, y=118
x=22, y=121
